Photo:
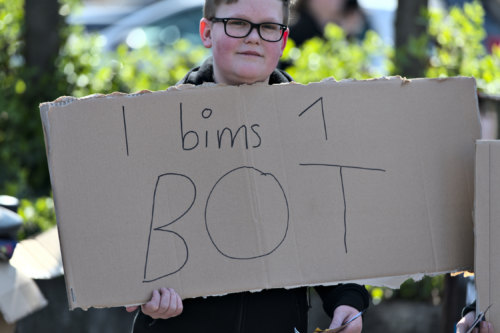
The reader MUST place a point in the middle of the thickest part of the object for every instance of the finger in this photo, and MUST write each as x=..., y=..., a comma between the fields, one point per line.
x=464, y=323
x=165, y=298
x=337, y=320
x=131, y=308
x=356, y=326
x=180, y=306
x=175, y=300
x=171, y=304
x=485, y=327
x=151, y=307
x=339, y=317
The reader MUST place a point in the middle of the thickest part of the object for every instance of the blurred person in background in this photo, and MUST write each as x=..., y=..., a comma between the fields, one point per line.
x=311, y=16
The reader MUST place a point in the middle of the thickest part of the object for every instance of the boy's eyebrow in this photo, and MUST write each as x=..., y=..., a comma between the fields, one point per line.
x=251, y=19
x=247, y=18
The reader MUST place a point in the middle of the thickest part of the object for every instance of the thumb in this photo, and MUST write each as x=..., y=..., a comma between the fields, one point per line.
x=336, y=322
x=339, y=317
x=131, y=308
x=342, y=314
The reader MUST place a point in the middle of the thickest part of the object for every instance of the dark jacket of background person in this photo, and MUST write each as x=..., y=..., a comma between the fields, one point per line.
x=305, y=26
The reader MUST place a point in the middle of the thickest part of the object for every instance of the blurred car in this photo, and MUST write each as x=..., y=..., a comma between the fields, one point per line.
x=159, y=24
x=162, y=23
x=381, y=17
x=97, y=17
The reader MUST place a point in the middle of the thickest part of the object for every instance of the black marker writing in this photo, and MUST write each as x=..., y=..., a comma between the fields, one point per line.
x=341, y=167
x=322, y=114
x=155, y=270
x=125, y=128
x=274, y=224
x=224, y=137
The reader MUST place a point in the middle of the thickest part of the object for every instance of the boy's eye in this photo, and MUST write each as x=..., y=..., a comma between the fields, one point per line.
x=270, y=27
x=237, y=23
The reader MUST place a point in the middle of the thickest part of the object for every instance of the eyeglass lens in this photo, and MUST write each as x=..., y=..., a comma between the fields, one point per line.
x=240, y=28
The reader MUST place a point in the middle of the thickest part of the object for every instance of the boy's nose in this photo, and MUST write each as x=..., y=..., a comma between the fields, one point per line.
x=254, y=35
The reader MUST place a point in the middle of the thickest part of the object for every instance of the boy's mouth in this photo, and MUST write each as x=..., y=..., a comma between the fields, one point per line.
x=250, y=53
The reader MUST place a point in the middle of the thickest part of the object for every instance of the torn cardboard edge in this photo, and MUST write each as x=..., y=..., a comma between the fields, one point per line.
x=392, y=282
x=65, y=100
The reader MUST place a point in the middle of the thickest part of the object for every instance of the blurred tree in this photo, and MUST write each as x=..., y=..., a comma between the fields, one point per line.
x=411, y=28
x=42, y=40
x=41, y=58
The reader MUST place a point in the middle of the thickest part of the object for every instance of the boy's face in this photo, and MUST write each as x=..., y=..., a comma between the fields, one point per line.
x=249, y=59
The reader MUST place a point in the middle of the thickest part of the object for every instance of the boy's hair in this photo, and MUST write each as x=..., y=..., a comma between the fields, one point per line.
x=211, y=7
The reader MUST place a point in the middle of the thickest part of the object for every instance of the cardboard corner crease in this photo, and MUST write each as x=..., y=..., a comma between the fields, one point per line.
x=297, y=184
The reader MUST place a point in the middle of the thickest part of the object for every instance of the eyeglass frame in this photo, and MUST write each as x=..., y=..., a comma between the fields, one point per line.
x=257, y=26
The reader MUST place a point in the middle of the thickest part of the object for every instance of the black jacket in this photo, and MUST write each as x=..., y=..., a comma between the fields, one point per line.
x=205, y=73
x=268, y=311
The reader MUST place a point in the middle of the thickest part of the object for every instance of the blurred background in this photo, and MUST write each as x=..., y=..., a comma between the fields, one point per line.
x=52, y=48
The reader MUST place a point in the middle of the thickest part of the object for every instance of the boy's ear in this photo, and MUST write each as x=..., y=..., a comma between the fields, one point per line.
x=284, y=39
x=206, y=32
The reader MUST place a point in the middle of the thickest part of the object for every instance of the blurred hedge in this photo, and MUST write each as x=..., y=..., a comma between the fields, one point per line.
x=82, y=68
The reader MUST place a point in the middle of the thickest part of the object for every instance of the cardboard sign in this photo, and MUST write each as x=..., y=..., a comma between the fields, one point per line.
x=487, y=229
x=212, y=190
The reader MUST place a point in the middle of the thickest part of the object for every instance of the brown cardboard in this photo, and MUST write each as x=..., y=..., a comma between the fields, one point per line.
x=19, y=295
x=34, y=258
x=334, y=181
x=39, y=257
x=487, y=229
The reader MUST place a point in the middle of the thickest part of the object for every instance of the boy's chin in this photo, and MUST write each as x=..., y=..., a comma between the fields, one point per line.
x=249, y=78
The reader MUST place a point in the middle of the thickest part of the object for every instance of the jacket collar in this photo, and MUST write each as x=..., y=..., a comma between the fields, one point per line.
x=205, y=73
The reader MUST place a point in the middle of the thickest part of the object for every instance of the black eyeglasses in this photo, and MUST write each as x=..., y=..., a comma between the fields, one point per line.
x=240, y=28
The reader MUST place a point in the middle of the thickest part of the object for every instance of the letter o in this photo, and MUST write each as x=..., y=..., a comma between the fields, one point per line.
x=247, y=214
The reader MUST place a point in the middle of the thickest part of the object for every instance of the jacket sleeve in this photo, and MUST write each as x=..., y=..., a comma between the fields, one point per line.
x=469, y=308
x=350, y=294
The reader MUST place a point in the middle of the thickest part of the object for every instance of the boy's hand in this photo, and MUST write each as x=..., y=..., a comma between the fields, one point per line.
x=342, y=314
x=464, y=324
x=165, y=303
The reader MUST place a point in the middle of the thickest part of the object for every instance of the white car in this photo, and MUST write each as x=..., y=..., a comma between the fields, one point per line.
x=162, y=23
x=159, y=25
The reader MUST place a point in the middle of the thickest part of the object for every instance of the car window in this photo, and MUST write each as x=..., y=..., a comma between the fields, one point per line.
x=168, y=30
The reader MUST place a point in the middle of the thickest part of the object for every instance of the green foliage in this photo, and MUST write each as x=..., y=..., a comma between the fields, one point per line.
x=82, y=68
x=12, y=86
x=453, y=46
x=429, y=289
x=38, y=216
x=458, y=47
x=335, y=56
x=88, y=69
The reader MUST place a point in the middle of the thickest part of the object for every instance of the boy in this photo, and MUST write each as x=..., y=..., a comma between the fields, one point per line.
x=247, y=38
